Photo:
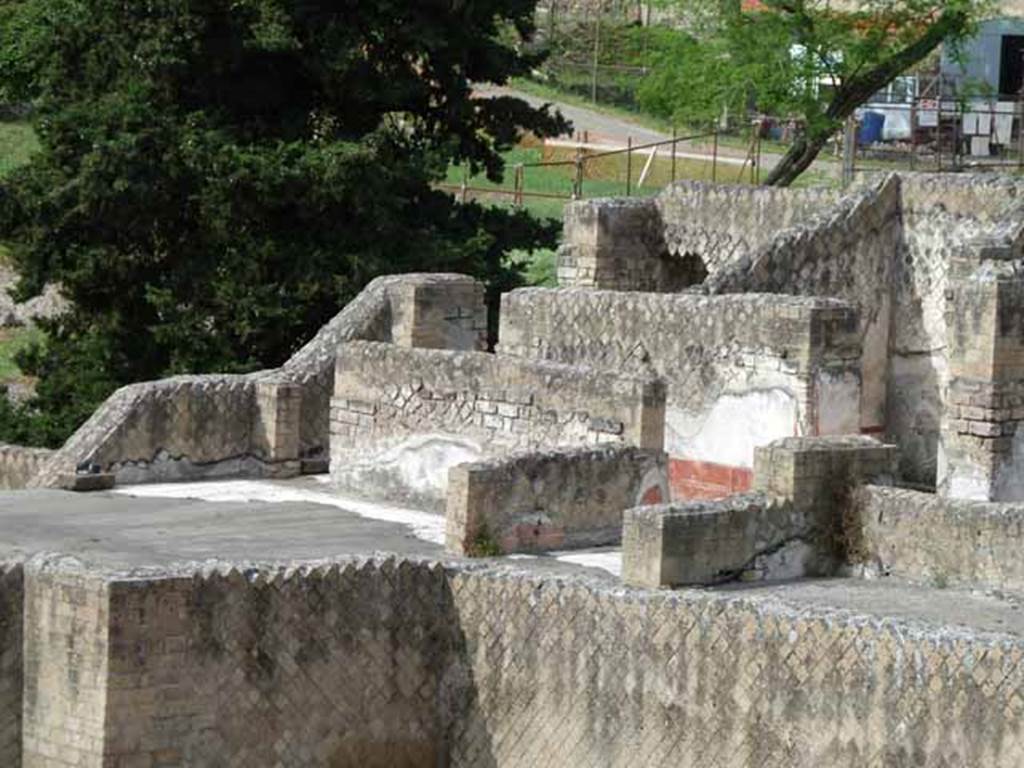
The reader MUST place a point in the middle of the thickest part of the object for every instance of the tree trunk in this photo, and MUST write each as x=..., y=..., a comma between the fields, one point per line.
x=797, y=159
x=859, y=89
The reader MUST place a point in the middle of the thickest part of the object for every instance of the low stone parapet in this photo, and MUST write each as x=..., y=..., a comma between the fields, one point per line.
x=559, y=499
x=795, y=525
x=19, y=464
x=713, y=541
x=940, y=541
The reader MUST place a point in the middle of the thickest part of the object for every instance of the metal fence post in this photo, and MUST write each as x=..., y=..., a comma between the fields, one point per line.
x=629, y=165
x=714, y=160
x=577, y=184
x=675, y=135
x=849, y=150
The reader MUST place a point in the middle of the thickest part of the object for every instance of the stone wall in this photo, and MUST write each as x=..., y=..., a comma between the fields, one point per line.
x=847, y=252
x=11, y=663
x=341, y=665
x=741, y=370
x=794, y=525
x=944, y=542
x=941, y=213
x=748, y=535
x=18, y=465
x=981, y=448
x=450, y=306
x=401, y=418
x=689, y=232
x=404, y=664
x=557, y=499
x=260, y=424
x=575, y=676
x=66, y=633
x=886, y=246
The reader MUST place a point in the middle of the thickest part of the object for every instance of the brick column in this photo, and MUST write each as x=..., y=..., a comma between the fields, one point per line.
x=447, y=313
x=980, y=455
x=613, y=245
x=276, y=427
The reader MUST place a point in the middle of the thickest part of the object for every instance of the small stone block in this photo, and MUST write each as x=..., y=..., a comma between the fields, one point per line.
x=83, y=483
x=315, y=466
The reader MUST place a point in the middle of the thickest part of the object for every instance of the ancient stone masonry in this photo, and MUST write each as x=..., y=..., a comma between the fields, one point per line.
x=382, y=312
x=741, y=370
x=401, y=418
x=794, y=525
x=410, y=663
x=941, y=216
x=939, y=541
x=887, y=246
x=18, y=464
x=560, y=499
x=66, y=666
x=980, y=455
x=264, y=423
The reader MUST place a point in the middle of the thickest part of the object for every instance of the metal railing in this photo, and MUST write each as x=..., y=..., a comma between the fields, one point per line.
x=637, y=157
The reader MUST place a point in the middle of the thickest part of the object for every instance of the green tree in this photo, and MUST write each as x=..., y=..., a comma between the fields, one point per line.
x=217, y=178
x=809, y=59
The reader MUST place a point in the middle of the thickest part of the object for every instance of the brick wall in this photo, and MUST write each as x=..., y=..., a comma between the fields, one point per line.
x=261, y=424
x=740, y=370
x=399, y=409
x=11, y=663
x=552, y=500
x=326, y=666
x=67, y=679
x=794, y=525
x=404, y=664
x=575, y=676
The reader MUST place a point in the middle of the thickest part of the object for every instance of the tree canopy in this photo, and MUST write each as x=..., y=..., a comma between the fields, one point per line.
x=217, y=179
x=815, y=60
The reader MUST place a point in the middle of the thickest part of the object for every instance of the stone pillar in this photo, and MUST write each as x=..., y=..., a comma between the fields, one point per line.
x=443, y=313
x=276, y=427
x=613, y=245
x=981, y=448
x=66, y=653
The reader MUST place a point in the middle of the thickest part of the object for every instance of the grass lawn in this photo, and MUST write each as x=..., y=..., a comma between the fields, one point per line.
x=12, y=341
x=17, y=144
x=603, y=177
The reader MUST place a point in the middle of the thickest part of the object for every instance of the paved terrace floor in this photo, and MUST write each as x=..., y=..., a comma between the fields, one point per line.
x=272, y=523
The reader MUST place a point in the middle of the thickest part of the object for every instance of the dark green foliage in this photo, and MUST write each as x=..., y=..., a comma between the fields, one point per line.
x=218, y=178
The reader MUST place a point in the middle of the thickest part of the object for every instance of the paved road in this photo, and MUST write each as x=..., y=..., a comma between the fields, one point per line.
x=601, y=127
x=604, y=128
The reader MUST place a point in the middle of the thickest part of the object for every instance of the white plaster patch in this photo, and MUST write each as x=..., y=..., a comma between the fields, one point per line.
x=424, y=525
x=606, y=559
x=1009, y=480
x=957, y=481
x=419, y=464
x=839, y=399
x=733, y=428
